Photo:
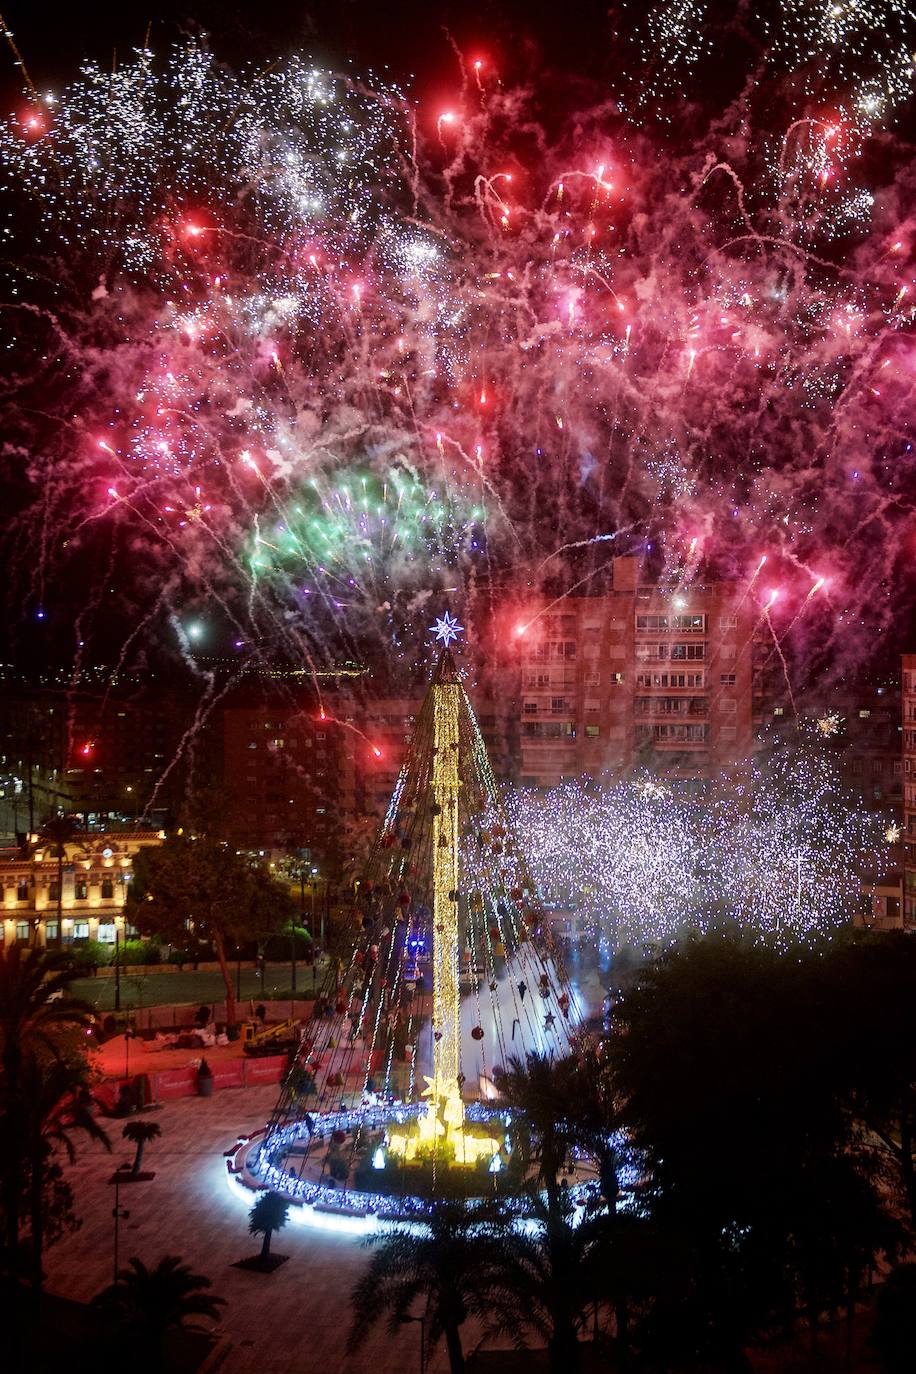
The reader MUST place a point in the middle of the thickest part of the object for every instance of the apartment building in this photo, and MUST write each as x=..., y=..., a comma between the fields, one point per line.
x=288, y=779
x=649, y=676
x=388, y=724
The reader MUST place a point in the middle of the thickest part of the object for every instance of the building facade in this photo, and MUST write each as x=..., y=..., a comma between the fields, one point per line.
x=647, y=676
x=96, y=872
x=909, y=789
x=288, y=780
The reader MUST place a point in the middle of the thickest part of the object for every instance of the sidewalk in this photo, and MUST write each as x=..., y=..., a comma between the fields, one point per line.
x=294, y=1321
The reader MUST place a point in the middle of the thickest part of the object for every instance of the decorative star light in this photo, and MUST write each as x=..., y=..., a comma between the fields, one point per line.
x=447, y=628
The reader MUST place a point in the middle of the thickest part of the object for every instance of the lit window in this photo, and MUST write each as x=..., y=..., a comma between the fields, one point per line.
x=592, y=730
x=864, y=714
x=779, y=711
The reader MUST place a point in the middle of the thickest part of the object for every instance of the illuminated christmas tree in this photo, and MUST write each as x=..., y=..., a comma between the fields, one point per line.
x=452, y=969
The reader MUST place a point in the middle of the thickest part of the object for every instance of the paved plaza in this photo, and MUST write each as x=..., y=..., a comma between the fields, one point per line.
x=292, y=1321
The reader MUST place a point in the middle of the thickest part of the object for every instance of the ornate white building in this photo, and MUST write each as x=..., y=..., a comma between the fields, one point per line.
x=96, y=870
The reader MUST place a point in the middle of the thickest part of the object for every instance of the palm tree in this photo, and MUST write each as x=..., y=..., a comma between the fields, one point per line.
x=36, y=1013
x=146, y=1303
x=559, y=1271
x=139, y=1133
x=451, y=1260
x=557, y=1104
x=57, y=1103
x=269, y=1213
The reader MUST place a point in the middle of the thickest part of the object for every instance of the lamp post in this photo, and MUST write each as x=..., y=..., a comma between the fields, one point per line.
x=422, y=1320
x=118, y=1212
x=117, y=963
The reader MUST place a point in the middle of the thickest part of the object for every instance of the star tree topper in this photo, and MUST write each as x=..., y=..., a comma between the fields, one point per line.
x=447, y=628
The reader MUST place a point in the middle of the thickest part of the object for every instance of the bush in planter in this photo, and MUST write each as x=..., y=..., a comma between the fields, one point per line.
x=338, y=1165
x=204, y=1079
x=301, y=1083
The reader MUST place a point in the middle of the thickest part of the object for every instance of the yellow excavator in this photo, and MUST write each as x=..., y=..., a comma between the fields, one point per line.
x=260, y=1039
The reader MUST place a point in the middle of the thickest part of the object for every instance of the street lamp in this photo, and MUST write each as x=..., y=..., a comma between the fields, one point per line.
x=422, y=1320
x=118, y=1212
x=117, y=966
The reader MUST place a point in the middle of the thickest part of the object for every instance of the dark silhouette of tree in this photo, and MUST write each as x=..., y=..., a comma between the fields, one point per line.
x=140, y=1133
x=205, y=883
x=450, y=1261
x=893, y=1336
x=37, y=1018
x=562, y=1106
x=269, y=1213
x=730, y=1076
x=56, y=1105
x=557, y=1274
x=146, y=1303
x=546, y=1096
x=871, y=982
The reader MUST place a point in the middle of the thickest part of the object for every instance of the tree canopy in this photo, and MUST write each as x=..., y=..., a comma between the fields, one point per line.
x=203, y=889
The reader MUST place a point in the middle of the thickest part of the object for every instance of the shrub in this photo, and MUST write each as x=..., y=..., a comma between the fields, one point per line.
x=141, y=952
x=87, y=954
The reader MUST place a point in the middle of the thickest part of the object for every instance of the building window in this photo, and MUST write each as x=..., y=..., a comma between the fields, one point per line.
x=22, y=931
x=779, y=711
x=727, y=679
x=107, y=889
x=80, y=889
x=592, y=730
x=53, y=890
x=693, y=624
x=22, y=890
x=530, y=708
x=864, y=714
x=107, y=932
x=728, y=622
x=616, y=679
x=81, y=930
x=729, y=732
x=688, y=651
x=51, y=930
x=728, y=705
